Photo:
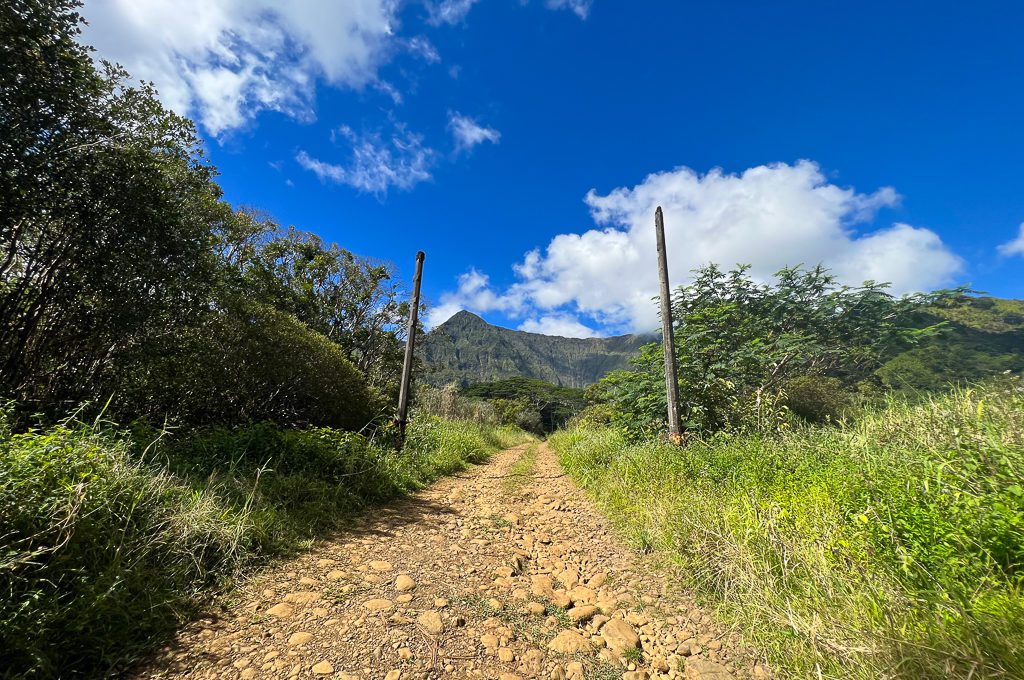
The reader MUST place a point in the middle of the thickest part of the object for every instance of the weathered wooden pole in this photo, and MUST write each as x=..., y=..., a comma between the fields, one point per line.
x=410, y=348
x=668, y=339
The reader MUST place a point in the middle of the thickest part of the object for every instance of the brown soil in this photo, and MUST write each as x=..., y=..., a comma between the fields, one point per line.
x=505, y=571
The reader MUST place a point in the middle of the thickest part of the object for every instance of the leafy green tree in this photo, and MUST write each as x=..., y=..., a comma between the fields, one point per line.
x=106, y=212
x=352, y=300
x=740, y=341
x=532, y=404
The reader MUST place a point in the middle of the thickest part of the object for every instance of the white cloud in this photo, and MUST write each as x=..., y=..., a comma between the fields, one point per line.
x=562, y=325
x=580, y=7
x=468, y=133
x=1015, y=246
x=770, y=216
x=425, y=49
x=223, y=61
x=474, y=293
x=376, y=164
x=448, y=11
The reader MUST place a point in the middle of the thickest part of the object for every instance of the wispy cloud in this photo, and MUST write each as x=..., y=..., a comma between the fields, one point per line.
x=448, y=11
x=468, y=133
x=376, y=164
x=1015, y=246
x=580, y=7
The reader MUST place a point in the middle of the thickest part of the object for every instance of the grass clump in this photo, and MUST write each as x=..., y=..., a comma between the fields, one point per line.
x=108, y=541
x=890, y=547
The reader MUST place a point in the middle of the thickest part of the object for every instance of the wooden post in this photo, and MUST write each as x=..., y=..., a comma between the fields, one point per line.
x=668, y=339
x=410, y=348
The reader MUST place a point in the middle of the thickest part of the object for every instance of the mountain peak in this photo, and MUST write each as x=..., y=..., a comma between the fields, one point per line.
x=464, y=319
x=465, y=349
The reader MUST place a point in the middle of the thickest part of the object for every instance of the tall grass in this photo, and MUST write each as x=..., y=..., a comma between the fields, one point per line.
x=107, y=544
x=888, y=548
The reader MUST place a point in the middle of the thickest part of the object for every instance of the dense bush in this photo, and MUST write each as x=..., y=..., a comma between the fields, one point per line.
x=739, y=341
x=107, y=543
x=817, y=399
x=251, y=363
x=891, y=547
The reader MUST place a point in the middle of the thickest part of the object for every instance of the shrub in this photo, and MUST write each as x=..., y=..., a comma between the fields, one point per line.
x=816, y=399
x=251, y=363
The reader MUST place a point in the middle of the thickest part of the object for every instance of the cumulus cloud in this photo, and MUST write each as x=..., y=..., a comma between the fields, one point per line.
x=223, y=61
x=1015, y=246
x=377, y=164
x=469, y=133
x=563, y=325
x=770, y=217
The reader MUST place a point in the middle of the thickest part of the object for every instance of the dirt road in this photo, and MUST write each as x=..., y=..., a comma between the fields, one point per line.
x=505, y=571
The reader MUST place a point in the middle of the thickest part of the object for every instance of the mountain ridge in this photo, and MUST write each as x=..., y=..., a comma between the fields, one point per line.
x=466, y=350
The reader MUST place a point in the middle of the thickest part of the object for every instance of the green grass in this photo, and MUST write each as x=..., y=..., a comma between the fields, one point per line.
x=107, y=544
x=888, y=548
x=522, y=470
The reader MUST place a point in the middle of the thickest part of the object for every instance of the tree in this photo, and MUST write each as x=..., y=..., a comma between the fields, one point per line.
x=739, y=342
x=350, y=299
x=105, y=222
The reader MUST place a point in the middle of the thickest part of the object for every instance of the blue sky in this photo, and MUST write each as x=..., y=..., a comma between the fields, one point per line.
x=524, y=145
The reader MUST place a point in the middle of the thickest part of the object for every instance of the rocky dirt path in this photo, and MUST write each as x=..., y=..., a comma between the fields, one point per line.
x=503, y=572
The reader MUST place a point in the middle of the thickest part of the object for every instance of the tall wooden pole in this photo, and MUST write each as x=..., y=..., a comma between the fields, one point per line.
x=668, y=339
x=410, y=348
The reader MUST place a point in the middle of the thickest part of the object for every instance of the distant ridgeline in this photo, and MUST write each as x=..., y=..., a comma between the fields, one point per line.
x=467, y=350
x=984, y=336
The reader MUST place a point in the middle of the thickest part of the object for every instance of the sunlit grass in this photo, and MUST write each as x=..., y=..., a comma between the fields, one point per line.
x=890, y=547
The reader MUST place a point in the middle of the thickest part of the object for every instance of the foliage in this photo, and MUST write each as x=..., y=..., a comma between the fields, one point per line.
x=125, y=277
x=816, y=398
x=106, y=211
x=351, y=300
x=107, y=543
x=530, y=404
x=447, y=402
x=251, y=363
x=982, y=337
x=738, y=342
x=888, y=547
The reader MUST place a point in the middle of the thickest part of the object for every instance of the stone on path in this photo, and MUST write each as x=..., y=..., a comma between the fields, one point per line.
x=620, y=637
x=323, y=668
x=381, y=566
x=281, y=611
x=379, y=605
x=431, y=622
x=297, y=639
x=404, y=582
x=703, y=669
x=570, y=642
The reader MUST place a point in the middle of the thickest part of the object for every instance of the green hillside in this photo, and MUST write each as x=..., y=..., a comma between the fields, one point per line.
x=983, y=336
x=467, y=350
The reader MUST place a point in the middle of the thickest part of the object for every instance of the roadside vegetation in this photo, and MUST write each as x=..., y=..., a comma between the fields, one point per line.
x=887, y=547
x=850, y=529
x=187, y=389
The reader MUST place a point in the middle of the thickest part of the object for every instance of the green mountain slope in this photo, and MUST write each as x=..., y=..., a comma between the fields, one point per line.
x=984, y=336
x=468, y=350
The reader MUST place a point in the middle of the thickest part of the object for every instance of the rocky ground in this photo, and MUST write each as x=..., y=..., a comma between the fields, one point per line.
x=506, y=571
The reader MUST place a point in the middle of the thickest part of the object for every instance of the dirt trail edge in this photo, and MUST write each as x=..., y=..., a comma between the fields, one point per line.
x=505, y=571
